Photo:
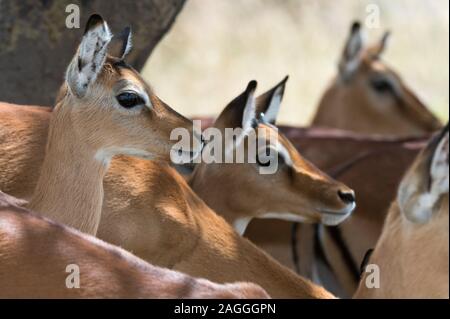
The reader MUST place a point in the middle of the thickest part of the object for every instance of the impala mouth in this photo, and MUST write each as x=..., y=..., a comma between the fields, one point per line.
x=324, y=216
x=333, y=218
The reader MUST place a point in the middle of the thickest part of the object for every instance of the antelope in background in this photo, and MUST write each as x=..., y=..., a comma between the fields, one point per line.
x=412, y=252
x=297, y=191
x=35, y=253
x=149, y=210
x=104, y=108
x=367, y=96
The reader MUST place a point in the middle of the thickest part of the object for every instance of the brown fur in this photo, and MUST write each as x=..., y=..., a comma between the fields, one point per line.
x=150, y=210
x=412, y=256
x=34, y=254
x=376, y=165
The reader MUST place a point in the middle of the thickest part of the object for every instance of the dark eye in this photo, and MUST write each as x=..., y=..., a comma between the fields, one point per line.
x=129, y=99
x=381, y=85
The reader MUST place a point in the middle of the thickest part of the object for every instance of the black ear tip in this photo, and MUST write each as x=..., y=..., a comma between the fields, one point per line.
x=251, y=86
x=286, y=78
x=93, y=21
x=356, y=26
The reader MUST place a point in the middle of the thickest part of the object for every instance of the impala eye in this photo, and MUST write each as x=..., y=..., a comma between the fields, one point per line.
x=129, y=99
x=381, y=85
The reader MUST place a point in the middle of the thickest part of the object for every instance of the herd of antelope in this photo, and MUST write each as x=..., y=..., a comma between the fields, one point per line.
x=90, y=182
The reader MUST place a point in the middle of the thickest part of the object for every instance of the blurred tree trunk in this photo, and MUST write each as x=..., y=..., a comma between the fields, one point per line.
x=36, y=45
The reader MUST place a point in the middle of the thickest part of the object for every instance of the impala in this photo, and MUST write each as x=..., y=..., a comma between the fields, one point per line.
x=150, y=210
x=412, y=252
x=35, y=254
x=104, y=108
x=295, y=191
x=367, y=96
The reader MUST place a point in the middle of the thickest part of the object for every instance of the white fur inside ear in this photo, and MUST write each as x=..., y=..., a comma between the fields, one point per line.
x=249, y=114
x=439, y=168
x=422, y=209
x=354, y=46
x=89, y=60
x=351, y=58
x=128, y=46
x=274, y=107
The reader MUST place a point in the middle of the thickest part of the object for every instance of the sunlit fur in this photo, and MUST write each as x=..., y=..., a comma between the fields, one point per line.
x=34, y=254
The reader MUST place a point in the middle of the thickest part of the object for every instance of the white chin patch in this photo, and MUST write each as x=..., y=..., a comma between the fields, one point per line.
x=331, y=219
x=285, y=216
x=105, y=155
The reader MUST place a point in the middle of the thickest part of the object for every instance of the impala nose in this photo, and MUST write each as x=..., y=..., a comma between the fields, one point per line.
x=348, y=196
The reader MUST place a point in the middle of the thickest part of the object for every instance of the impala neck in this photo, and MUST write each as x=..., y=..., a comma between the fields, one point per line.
x=70, y=186
x=226, y=204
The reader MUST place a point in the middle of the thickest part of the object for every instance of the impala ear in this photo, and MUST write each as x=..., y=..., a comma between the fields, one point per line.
x=121, y=44
x=268, y=104
x=350, y=58
x=90, y=57
x=249, y=113
x=376, y=50
x=439, y=165
x=427, y=180
x=241, y=112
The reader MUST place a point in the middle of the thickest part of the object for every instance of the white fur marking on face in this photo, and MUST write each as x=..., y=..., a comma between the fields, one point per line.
x=274, y=107
x=132, y=87
x=334, y=219
x=290, y=217
x=105, y=155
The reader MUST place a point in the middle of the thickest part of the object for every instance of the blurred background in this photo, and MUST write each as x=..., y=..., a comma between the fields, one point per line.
x=215, y=47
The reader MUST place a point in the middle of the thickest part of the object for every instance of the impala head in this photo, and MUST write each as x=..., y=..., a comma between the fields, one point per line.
x=108, y=105
x=369, y=97
x=293, y=189
x=423, y=192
